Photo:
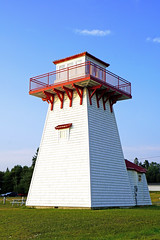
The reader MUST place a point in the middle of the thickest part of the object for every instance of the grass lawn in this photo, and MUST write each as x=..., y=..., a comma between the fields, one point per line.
x=135, y=223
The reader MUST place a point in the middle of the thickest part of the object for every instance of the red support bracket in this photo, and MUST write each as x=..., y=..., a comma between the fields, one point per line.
x=113, y=100
x=69, y=93
x=98, y=97
x=94, y=88
x=49, y=97
x=79, y=91
x=60, y=95
x=107, y=98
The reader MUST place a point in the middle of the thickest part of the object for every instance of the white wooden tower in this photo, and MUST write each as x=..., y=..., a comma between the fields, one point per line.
x=80, y=161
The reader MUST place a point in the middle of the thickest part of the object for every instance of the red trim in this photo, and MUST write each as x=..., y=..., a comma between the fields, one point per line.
x=113, y=100
x=60, y=95
x=107, y=98
x=120, y=84
x=69, y=93
x=132, y=166
x=79, y=91
x=98, y=98
x=49, y=98
x=94, y=88
x=63, y=126
x=80, y=55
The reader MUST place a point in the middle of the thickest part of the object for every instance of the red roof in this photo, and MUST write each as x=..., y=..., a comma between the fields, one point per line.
x=132, y=166
x=80, y=55
x=67, y=125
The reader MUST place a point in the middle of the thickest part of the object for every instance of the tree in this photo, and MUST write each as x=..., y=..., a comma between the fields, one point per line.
x=146, y=164
x=16, y=174
x=136, y=161
x=153, y=173
x=8, y=182
x=34, y=158
x=24, y=184
x=1, y=181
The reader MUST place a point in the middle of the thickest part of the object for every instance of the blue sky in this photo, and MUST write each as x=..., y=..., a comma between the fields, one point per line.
x=124, y=33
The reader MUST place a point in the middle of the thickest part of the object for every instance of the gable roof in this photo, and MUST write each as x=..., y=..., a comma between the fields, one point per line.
x=132, y=166
x=80, y=55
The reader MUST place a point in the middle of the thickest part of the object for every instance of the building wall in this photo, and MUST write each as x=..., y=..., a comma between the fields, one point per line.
x=110, y=186
x=154, y=187
x=70, y=62
x=61, y=175
x=85, y=169
x=139, y=187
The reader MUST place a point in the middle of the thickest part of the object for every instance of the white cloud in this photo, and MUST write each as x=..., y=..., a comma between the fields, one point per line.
x=157, y=39
x=94, y=32
x=154, y=40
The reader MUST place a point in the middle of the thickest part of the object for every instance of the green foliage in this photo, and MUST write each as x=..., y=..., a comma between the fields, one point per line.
x=153, y=170
x=35, y=158
x=18, y=179
x=136, y=161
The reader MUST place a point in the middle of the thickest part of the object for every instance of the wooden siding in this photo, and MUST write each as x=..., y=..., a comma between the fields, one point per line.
x=61, y=175
x=110, y=185
x=88, y=168
x=143, y=197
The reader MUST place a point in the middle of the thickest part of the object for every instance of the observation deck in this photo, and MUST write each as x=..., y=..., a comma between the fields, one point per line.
x=95, y=78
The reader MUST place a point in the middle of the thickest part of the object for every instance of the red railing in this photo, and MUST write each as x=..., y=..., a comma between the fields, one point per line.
x=80, y=71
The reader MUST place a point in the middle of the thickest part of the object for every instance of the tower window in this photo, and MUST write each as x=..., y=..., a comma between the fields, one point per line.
x=63, y=135
x=63, y=131
x=139, y=178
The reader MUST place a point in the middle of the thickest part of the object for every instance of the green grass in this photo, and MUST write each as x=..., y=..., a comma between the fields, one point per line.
x=25, y=223
x=155, y=197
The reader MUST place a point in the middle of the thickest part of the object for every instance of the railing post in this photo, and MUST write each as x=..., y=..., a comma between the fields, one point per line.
x=68, y=74
x=89, y=68
x=118, y=82
x=48, y=79
x=30, y=85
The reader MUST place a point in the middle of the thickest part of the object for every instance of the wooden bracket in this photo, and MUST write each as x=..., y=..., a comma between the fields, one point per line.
x=79, y=91
x=69, y=93
x=60, y=95
x=49, y=97
x=113, y=100
x=94, y=88
x=108, y=95
x=100, y=94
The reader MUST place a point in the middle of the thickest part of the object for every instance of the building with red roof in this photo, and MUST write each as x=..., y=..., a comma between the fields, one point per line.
x=138, y=183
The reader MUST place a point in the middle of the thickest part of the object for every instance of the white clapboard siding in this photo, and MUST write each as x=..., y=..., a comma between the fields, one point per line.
x=110, y=184
x=143, y=197
x=61, y=176
x=88, y=168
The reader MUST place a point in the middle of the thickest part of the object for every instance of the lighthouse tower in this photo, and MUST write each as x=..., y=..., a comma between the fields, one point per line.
x=80, y=161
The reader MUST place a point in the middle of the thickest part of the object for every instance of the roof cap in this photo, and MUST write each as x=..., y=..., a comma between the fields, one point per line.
x=80, y=55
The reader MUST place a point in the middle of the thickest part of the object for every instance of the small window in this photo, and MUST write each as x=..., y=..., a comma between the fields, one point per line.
x=139, y=178
x=61, y=66
x=62, y=74
x=80, y=69
x=70, y=64
x=63, y=131
x=63, y=134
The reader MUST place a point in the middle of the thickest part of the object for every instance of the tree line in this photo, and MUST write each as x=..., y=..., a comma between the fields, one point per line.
x=18, y=178
x=153, y=170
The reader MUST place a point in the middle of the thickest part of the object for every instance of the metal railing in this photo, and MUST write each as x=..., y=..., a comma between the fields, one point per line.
x=80, y=71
